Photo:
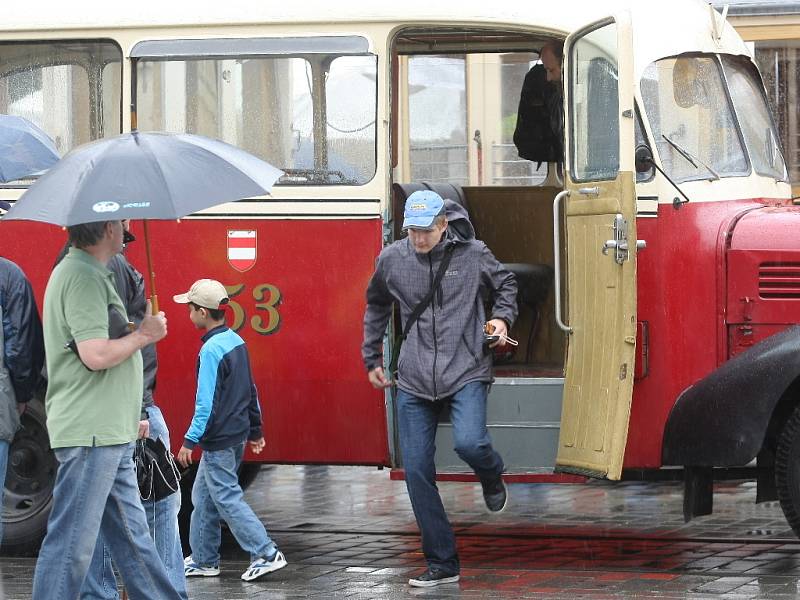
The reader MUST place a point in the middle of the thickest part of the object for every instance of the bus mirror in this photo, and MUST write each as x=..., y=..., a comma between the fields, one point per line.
x=643, y=158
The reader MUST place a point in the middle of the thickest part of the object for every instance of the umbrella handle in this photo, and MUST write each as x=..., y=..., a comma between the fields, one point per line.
x=150, y=272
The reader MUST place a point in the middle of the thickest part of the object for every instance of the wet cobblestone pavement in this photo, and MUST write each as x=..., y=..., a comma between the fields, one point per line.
x=349, y=533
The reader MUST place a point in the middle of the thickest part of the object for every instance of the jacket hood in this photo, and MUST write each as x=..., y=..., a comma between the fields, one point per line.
x=458, y=223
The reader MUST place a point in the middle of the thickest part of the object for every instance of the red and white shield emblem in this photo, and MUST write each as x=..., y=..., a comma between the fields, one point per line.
x=242, y=249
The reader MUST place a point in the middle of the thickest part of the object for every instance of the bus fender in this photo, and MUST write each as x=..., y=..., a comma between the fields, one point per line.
x=721, y=420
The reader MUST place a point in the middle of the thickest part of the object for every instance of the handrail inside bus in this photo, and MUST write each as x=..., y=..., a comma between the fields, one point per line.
x=263, y=46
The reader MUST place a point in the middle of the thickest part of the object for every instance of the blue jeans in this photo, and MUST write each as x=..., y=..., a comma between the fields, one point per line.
x=3, y=466
x=216, y=496
x=417, y=421
x=162, y=519
x=96, y=492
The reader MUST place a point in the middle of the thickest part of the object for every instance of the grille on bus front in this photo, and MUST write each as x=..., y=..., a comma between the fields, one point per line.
x=779, y=280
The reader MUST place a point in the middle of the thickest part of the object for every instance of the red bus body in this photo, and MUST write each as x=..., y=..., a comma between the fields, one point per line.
x=306, y=361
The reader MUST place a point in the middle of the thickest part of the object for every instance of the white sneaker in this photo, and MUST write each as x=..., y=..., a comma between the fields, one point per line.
x=262, y=566
x=192, y=569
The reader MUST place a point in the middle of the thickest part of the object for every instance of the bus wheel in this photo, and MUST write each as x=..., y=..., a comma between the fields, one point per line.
x=787, y=470
x=30, y=478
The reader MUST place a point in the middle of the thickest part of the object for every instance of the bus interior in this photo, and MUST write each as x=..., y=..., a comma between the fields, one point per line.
x=455, y=99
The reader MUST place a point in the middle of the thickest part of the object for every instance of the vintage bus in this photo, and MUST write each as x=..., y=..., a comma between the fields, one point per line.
x=657, y=268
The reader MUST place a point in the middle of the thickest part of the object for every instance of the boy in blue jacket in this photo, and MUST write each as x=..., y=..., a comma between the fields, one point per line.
x=226, y=414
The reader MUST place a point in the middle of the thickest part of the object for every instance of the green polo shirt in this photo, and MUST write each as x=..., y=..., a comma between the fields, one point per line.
x=86, y=408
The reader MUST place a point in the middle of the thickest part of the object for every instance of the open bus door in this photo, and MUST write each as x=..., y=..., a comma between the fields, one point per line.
x=599, y=207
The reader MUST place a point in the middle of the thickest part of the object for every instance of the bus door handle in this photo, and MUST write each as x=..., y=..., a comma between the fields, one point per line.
x=620, y=242
x=557, y=259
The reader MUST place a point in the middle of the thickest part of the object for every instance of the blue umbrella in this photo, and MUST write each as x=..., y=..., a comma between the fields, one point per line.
x=141, y=175
x=24, y=149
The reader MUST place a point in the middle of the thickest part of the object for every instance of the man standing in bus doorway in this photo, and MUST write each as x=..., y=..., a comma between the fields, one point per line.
x=162, y=515
x=552, y=55
x=21, y=355
x=93, y=403
x=439, y=277
x=539, y=132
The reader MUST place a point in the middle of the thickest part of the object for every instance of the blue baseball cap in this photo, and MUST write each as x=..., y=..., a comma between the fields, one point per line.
x=422, y=208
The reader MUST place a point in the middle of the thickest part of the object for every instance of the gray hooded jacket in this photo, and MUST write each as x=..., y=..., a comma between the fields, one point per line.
x=444, y=349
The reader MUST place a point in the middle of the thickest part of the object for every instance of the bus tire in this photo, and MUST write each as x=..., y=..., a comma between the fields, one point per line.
x=787, y=470
x=28, y=490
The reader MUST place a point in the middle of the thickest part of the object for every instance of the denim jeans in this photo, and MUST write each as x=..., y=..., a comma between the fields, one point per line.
x=96, y=492
x=162, y=519
x=3, y=466
x=417, y=422
x=216, y=496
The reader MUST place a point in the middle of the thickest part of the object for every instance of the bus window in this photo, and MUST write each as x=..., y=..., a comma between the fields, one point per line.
x=71, y=89
x=762, y=142
x=691, y=119
x=437, y=119
x=311, y=116
x=461, y=113
x=594, y=106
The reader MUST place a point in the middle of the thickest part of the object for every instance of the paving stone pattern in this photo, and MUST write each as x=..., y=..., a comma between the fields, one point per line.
x=349, y=532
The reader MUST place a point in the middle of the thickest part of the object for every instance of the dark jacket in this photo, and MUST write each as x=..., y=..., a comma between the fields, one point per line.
x=539, y=133
x=130, y=287
x=226, y=410
x=21, y=345
x=444, y=349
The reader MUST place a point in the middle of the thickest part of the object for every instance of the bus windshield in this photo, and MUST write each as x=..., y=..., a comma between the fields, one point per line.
x=312, y=115
x=754, y=117
x=710, y=119
x=693, y=124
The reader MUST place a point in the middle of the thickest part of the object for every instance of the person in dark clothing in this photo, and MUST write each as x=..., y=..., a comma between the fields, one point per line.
x=226, y=415
x=21, y=355
x=439, y=277
x=539, y=134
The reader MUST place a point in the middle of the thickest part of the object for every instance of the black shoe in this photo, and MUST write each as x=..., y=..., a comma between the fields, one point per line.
x=496, y=496
x=431, y=577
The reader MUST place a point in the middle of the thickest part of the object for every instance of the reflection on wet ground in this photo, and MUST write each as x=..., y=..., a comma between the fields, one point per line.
x=349, y=532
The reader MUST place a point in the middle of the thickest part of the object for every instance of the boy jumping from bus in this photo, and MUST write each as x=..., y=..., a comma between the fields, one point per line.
x=443, y=359
x=226, y=415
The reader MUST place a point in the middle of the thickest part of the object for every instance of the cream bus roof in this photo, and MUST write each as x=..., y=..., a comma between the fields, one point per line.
x=688, y=22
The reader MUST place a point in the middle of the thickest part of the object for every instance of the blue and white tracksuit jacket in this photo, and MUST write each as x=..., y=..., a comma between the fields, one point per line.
x=226, y=411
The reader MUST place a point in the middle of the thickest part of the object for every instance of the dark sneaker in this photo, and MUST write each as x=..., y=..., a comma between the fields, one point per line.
x=433, y=577
x=496, y=496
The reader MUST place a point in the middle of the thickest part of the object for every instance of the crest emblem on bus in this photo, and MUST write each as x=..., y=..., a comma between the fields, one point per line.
x=242, y=249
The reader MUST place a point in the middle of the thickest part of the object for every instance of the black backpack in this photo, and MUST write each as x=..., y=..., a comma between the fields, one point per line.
x=540, y=120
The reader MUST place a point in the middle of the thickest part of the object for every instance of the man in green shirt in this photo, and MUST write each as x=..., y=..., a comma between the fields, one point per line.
x=93, y=404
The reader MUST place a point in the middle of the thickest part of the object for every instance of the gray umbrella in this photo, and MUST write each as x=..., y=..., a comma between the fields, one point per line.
x=141, y=175
x=24, y=149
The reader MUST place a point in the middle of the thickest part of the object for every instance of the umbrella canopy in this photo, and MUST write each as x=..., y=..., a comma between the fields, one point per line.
x=24, y=149
x=142, y=175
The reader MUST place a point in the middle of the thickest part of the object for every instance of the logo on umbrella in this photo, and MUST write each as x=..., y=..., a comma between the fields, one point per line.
x=103, y=207
x=242, y=249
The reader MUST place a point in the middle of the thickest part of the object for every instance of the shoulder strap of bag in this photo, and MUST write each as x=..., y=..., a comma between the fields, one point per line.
x=420, y=308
